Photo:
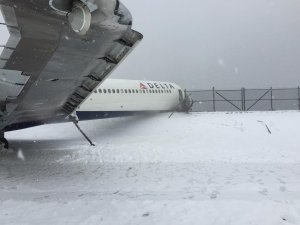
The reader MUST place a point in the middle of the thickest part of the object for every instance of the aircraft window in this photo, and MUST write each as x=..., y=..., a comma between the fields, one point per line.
x=109, y=91
x=129, y=91
x=118, y=91
x=125, y=91
x=95, y=91
x=144, y=91
x=141, y=91
x=122, y=91
x=104, y=91
x=100, y=90
x=156, y=91
x=137, y=91
x=133, y=91
x=113, y=91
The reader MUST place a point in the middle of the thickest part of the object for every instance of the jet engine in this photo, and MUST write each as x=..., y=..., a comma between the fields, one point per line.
x=77, y=12
x=81, y=14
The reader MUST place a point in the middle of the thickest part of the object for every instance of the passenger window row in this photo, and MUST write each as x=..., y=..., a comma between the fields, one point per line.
x=130, y=91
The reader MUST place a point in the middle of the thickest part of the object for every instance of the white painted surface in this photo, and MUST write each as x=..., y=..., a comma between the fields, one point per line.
x=163, y=96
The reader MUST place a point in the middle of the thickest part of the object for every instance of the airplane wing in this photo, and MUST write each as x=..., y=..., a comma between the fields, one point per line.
x=57, y=53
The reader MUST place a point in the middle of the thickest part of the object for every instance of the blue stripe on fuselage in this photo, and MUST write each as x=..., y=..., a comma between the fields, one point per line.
x=92, y=115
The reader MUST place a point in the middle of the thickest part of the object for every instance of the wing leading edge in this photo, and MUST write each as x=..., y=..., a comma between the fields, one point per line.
x=46, y=69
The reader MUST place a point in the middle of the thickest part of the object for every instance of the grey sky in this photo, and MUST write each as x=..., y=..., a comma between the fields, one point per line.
x=205, y=43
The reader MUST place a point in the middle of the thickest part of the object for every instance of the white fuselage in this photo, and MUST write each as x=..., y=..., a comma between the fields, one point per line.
x=115, y=96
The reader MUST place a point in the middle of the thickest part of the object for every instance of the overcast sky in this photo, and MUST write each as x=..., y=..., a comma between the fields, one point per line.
x=205, y=43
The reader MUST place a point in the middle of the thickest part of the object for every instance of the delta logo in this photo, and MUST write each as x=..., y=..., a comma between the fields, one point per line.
x=142, y=86
x=156, y=85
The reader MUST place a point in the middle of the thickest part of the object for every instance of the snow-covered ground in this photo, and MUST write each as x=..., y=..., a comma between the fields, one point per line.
x=201, y=168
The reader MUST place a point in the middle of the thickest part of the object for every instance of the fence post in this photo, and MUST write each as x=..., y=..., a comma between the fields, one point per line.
x=214, y=99
x=271, y=91
x=243, y=99
x=298, y=97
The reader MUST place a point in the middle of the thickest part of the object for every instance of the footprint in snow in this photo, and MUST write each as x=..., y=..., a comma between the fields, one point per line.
x=264, y=191
x=282, y=188
x=214, y=195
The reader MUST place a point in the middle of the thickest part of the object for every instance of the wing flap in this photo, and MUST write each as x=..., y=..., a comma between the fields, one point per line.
x=11, y=84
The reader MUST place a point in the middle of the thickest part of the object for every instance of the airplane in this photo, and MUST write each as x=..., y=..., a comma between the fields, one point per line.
x=118, y=97
x=57, y=56
x=57, y=53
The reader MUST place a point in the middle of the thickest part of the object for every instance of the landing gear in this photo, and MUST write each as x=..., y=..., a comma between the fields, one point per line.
x=75, y=121
x=3, y=141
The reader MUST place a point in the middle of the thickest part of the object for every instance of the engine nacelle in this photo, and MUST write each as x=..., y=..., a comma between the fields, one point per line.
x=78, y=14
x=80, y=18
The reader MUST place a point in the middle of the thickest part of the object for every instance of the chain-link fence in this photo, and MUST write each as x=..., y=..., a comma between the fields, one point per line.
x=245, y=99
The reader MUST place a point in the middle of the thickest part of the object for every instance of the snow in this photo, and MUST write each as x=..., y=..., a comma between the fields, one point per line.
x=221, y=62
x=199, y=168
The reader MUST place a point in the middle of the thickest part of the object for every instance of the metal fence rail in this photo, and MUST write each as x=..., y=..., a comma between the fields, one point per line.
x=245, y=99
